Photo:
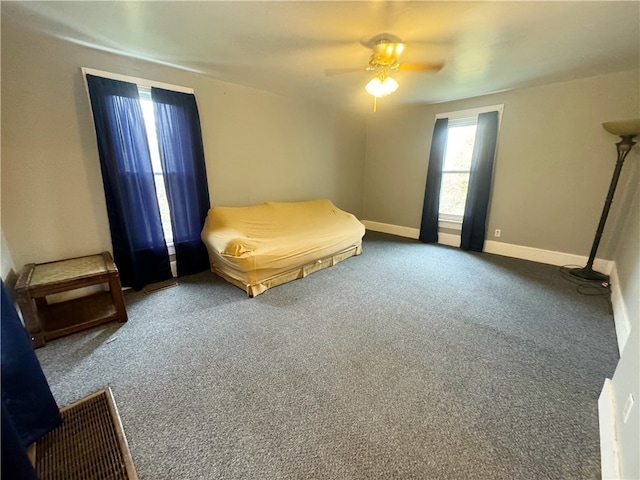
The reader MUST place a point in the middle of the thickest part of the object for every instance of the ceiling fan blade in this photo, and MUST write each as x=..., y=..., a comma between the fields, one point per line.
x=420, y=67
x=330, y=72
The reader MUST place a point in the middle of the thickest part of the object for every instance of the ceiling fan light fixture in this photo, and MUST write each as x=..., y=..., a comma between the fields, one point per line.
x=389, y=48
x=395, y=49
x=381, y=86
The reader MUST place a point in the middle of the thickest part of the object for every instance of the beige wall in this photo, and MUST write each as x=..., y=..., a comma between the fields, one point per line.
x=7, y=267
x=258, y=146
x=264, y=147
x=552, y=170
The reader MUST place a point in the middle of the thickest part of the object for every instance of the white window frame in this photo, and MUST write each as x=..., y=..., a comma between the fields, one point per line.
x=457, y=119
x=473, y=112
x=142, y=82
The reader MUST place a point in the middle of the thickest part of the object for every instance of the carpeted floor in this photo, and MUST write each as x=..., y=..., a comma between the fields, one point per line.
x=409, y=361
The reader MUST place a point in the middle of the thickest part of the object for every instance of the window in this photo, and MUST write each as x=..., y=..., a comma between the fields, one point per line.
x=455, y=171
x=457, y=165
x=152, y=138
x=144, y=91
x=153, y=169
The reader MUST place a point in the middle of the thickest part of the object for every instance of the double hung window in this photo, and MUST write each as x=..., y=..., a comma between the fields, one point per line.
x=459, y=176
x=158, y=176
x=455, y=170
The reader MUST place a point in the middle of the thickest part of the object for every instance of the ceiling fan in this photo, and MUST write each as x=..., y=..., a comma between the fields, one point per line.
x=384, y=60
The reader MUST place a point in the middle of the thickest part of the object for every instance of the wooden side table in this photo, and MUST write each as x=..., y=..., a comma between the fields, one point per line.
x=46, y=321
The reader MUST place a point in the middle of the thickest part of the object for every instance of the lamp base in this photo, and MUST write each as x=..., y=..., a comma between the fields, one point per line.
x=587, y=273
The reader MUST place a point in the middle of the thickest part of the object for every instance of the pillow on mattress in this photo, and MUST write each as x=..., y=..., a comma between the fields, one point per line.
x=239, y=246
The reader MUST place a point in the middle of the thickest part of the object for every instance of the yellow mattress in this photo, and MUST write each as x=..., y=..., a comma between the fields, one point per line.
x=261, y=246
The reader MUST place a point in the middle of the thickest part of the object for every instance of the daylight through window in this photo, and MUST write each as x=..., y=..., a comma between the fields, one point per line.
x=152, y=138
x=455, y=172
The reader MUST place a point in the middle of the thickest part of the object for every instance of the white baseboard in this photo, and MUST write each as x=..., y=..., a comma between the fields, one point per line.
x=620, y=313
x=544, y=256
x=609, y=462
x=498, y=248
x=406, y=232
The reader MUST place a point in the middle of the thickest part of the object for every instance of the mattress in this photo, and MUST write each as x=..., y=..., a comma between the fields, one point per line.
x=261, y=246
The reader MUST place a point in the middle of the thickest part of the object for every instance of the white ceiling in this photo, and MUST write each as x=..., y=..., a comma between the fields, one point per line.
x=286, y=47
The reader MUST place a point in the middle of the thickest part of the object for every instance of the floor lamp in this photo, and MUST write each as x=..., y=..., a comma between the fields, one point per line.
x=626, y=130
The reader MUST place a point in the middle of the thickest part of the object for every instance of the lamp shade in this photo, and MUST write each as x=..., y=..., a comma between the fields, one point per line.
x=623, y=127
x=381, y=87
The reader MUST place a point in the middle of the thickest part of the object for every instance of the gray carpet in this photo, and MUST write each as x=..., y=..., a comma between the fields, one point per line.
x=409, y=361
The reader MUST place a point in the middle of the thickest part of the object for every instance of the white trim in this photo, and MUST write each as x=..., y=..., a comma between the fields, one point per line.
x=450, y=221
x=143, y=82
x=406, y=232
x=472, y=112
x=449, y=239
x=540, y=255
x=450, y=225
x=498, y=248
x=609, y=459
x=174, y=266
x=620, y=313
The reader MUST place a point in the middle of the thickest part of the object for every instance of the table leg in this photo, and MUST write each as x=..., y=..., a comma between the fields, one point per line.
x=118, y=297
x=31, y=320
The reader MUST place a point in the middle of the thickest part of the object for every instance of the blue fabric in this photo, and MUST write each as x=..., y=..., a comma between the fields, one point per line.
x=29, y=410
x=182, y=156
x=15, y=460
x=474, y=222
x=431, y=205
x=139, y=248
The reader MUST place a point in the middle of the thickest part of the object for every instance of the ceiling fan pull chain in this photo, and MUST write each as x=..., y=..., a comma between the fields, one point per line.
x=375, y=104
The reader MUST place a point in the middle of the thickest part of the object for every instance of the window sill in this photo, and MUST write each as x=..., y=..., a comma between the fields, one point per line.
x=450, y=225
